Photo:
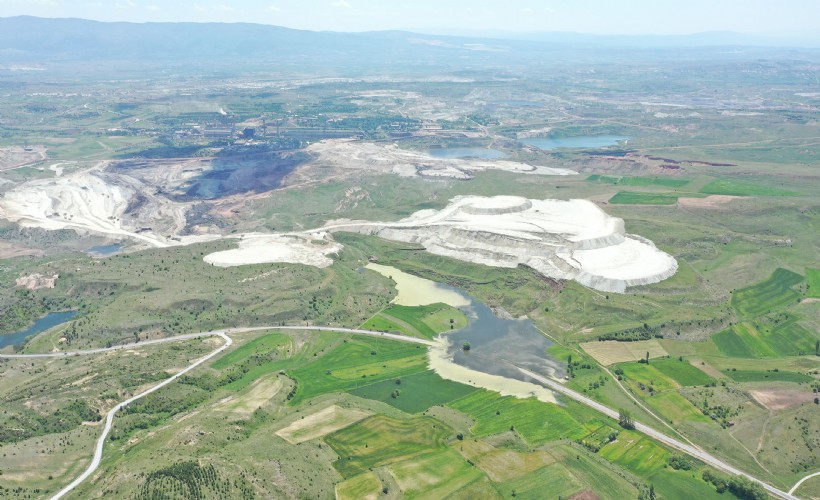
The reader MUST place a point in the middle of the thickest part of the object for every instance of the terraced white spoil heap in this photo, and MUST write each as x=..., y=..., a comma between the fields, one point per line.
x=560, y=239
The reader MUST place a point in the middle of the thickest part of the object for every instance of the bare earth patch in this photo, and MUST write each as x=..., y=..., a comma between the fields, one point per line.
x=10, y=250
x=37, y=281
x=503, y=465
x=17, y=156
x=609, y=352
x=712, y=202
x=260, y=393
x=780, y=399
x=706, y=368
x=321, y=423
x=585, y=495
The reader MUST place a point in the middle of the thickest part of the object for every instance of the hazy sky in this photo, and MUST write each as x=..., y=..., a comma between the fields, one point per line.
x=456, y=16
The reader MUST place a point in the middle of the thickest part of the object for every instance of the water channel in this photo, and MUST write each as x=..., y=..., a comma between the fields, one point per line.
x=582, y=141
x=49, y=321
x=497, y=345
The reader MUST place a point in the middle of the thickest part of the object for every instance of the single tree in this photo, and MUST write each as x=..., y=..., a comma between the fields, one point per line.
x=625, y=419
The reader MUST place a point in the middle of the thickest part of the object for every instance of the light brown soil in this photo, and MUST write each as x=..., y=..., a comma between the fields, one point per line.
x=10, y=250
x=321, y=423
x=37, y=281
x=780, y=399
x=609, y=352
x=711, y=202
x=584, y=495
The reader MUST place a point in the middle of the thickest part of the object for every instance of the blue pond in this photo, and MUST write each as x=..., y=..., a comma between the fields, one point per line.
x=467, y=152
x=104, y=250
x=584, y=141
x=49, y=321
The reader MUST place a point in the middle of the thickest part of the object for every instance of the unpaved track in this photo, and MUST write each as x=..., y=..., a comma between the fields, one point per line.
x=109, y=419
x=551, y=384
x=658, y=436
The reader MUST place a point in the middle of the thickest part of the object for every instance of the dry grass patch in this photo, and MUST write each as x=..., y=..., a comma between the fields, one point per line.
x=502, y=465
x=706, y=368
x=321, y=423
x=259, y=393
x=609, y=352
x=780, y=399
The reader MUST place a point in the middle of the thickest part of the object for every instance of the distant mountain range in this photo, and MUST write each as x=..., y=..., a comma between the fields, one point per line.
x=26, y=41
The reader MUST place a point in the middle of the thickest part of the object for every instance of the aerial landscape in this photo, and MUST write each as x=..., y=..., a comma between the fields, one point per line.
x=363, y=250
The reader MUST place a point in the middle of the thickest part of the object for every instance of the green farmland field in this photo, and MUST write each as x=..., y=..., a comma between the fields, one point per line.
x=535, y=421
x=767, y=376
x=355, y=363
x=773, y=293
x=681, y=372
x=742, y=188
x=813, y=279
x=637, y=181
x=416, y=392
x=381, y=440
x=418, y=321
x=753, y=340
x=638, y=198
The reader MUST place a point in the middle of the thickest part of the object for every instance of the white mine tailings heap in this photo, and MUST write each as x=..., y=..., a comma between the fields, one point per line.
x=560, y=239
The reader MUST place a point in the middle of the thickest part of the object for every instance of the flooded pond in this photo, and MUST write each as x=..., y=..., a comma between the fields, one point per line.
x=49, y=321
x=583, y=141
x=415, y=291
x=104, y=250
x=466, y=152
x=497, y=345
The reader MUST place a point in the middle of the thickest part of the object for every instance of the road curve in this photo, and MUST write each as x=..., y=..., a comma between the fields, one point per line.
x=658, y=436
x=551, y=384
x=109, y=419
x=188, y=336
x=798, y=483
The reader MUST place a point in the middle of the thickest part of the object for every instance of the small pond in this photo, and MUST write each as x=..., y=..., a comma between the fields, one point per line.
x=49, y=321
x=466, y=152
x=582, y=141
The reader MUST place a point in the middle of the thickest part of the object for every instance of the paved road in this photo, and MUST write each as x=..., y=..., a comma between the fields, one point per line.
x=551, y=384
x=188, y=336
x=649, y=431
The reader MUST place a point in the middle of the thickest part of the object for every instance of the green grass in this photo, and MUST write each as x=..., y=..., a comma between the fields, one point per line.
x=813, y=280
x=756, y=340
x=636, y=453
x=681, y=485
x=681, y=372
x=533, y=420
x=357, y=362
x=552, y=481
x=359, y=487
x=742, y=188
x=676, y=408
x=638, y=198
x=767, y=376
x=637, y=181
x=647, y=375
x=423, y=321
x=417, y=392
x=435, y=475
x=769, y=295
x=602, y=478
x=381, y=440
x=259, y=346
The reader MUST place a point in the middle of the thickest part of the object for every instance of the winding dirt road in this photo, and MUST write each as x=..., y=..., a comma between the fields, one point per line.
x=550, y=384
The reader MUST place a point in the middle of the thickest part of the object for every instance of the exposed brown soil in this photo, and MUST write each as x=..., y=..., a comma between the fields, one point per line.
x=711, y=202
x=780, y=399
x=584, y=495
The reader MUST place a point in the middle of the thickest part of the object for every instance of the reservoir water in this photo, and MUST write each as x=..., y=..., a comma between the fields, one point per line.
x=582, y=141
x=466, y=152
x=49, y=321
x=497, y=345
x=104, y=250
